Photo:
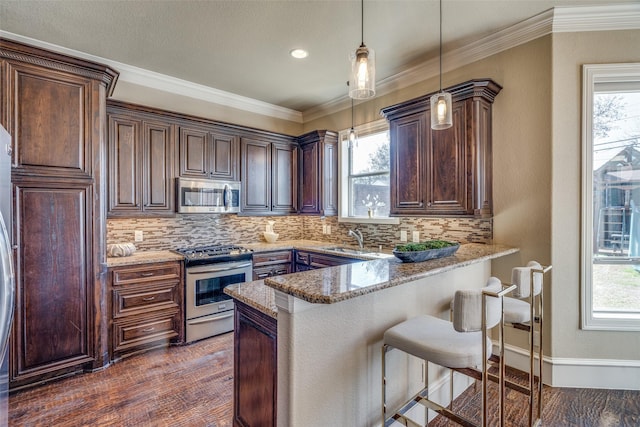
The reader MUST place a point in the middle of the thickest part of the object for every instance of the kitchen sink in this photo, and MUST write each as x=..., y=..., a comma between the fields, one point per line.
x=358, y=252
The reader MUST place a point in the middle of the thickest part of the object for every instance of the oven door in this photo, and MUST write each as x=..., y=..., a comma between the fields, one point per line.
x=205, y=285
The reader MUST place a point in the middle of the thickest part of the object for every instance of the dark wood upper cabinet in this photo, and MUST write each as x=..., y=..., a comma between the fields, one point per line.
x=39, y=115
x=194, y=153
x=54, y=108
x=284, y=183
x=206, y=153
x=446, y=172
x=269, y=171
x=318, y=173
x=157, y=160
x=140, y=158
x=124, y=164
x=225, y=156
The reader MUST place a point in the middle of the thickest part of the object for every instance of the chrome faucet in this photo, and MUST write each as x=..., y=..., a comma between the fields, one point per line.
x=357, y=234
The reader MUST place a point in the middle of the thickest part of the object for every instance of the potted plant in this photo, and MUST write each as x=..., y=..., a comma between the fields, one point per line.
x=423, y=251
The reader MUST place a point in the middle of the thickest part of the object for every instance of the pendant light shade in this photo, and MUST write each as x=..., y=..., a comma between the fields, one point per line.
x=441, y=117
x=441, y=103
x=362, y=82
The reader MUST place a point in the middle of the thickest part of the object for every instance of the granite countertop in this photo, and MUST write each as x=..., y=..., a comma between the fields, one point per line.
x=335, y=284
x=255, y=294
x=144, y=257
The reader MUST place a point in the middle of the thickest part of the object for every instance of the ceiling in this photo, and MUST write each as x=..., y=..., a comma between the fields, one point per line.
x=242, y=46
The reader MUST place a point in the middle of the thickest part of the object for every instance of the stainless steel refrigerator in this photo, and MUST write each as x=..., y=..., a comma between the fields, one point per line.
x=7, y=281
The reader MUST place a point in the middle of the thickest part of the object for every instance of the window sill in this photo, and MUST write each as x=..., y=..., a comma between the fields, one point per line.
x=374, y=220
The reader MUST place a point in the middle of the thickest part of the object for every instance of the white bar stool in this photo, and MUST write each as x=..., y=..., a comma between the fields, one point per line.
x=461, y=345
x=519, y=311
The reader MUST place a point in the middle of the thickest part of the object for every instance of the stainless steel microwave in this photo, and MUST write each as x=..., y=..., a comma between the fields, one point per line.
x=207, y=196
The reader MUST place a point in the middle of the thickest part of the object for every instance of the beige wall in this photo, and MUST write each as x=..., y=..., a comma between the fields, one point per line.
x=570, y=51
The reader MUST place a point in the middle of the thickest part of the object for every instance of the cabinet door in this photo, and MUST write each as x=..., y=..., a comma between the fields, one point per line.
x=194, y=153
x=407, y=150
x=124, y=165
x=447, y=166
x=309, y=177
x=329, y=178
x=284, y=186
x=157, y=150
x=256, y=176
x=255, y=365
x=47, y=107
x=54, y=330
x=225, y=155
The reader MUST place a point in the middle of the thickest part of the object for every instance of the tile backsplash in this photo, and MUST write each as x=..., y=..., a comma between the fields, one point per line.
x=206, y=229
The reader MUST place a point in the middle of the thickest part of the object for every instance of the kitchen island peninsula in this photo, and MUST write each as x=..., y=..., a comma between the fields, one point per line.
x=320, y=332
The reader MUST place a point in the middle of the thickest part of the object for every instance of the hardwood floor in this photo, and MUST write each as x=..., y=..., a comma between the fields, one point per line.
x=563, y=407
x=180, y=386
x=193, y=386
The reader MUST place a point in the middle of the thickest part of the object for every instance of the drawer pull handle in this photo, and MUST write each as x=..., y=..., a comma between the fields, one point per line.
x=148, y=329
x=148, y=299
x=273, y=259
x=146, y=274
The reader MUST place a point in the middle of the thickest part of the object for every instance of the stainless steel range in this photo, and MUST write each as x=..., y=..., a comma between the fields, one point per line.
x=208, y=269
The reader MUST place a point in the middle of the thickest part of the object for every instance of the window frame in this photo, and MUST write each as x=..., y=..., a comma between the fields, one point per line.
x=343, y=174
x=594, y=75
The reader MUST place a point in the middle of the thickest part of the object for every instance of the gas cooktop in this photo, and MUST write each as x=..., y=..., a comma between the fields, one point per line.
x=214, y=254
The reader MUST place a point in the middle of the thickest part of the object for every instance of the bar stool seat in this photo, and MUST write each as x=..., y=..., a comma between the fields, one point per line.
x=437, y=341
x=516, y=310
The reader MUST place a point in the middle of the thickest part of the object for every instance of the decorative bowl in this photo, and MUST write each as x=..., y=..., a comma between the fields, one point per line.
x=120, y=249
x=419, y=256
x=270, y=237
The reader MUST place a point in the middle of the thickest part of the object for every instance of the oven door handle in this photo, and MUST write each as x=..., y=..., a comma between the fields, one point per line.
x=215, y=270
x=196, y=322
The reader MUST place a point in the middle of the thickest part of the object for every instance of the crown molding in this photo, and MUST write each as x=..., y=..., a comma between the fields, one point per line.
x=596, y=18
x=555, y=20
x=165, y=83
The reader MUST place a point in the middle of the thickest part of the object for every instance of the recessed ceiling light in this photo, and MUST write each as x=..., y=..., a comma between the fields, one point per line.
x=299, y=53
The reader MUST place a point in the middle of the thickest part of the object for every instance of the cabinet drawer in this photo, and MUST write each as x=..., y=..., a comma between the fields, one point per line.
x=303, y=258
x=267, y=258
x=131, y=300
x=147, y=272
x=272, y=270
x=144, y=332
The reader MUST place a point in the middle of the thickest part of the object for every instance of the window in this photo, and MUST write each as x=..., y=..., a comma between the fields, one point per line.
x=611, y=197
x=364, y=178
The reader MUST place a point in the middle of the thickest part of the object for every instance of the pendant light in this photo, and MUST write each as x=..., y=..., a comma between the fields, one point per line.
x=363, y=68
x=441, y=105
x=353, y=136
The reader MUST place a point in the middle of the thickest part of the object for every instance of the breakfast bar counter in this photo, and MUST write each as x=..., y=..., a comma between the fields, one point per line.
x=335, y=284
x=325, y=333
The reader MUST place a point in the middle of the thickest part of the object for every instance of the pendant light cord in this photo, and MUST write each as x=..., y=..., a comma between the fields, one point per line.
x=362, y=22
x=352, y=113
x=440, y=45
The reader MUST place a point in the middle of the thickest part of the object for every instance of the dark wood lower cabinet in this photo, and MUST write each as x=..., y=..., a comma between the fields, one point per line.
x=53, y=334
x=255, y=368
x=146, y=307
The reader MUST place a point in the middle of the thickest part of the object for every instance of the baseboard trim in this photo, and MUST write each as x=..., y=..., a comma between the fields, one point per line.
x=580, y=373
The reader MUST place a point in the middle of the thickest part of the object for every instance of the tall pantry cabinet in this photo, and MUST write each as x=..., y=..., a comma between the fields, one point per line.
x=54, y=107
